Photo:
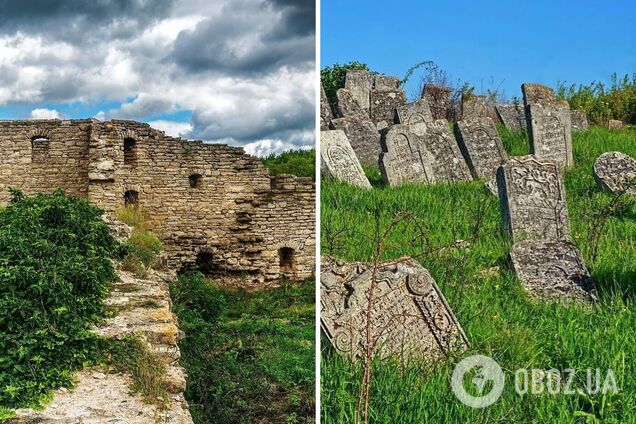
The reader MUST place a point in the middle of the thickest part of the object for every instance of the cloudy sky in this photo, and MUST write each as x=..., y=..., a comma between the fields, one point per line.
x=231, y=71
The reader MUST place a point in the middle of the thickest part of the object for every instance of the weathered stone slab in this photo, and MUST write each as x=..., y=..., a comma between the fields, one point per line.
x=616, y=172
x=512, y=116
x=448, y=163
x=404, y=159
x=416, y=115
x=360, y=84
x=386, y=82
x=409, y=318
x=363, y=137
x=532, y=198
x=552, y=270
x=474, y=106
x=614, y=124
x=551, y=132
x=537, y=94
x=347, y=105
x=326, y=115
x=383, y=104
x=338, y=160
x=578, y=118
x=438, y=98
x=481, y=146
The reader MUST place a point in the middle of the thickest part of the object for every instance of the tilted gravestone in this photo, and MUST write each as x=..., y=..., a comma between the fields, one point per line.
x=512, y=116
x=362, y=135
x=360, y=84
x=448, y=163
x=552, y=270
x=481, y=146
x=416, y=115
x=551, y=133
x=614, y=124
x=338, y=159
x=532, y=198
x=383, y=104
x=474, y=106
x=347, y=105
x=438, y=98
x=408, y=318
x=578, y=118
x=386, y=82
x=616, y=172
x=404, y=159
x=325, y=110
x=537, y=94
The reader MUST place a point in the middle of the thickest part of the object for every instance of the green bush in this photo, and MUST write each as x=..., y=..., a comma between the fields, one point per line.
x=333, y=77
x=301, y=163
x=54, y=271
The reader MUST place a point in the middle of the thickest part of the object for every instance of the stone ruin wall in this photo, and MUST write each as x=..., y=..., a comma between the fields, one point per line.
x=234, y=221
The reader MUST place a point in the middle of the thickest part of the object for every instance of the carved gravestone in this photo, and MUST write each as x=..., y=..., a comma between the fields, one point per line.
x=552, y=270
x=512, y=116
x=438, y=98
x=363, y=137
x=416, y=115
x=550, y=132
x=614, y=124
x=383, y=104
x=578, y=118
x=481, y=146
x=532, y=198
x=386, y=83
x=360, y=84
x=616, y=172
x=325, y=110
x=537, y=94
x=448, y=164
x=474, y=106
x=347, y=105
x=409, y=318
x=404, y=159
x=338, y=159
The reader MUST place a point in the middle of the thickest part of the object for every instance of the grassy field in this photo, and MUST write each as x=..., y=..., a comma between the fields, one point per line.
x=482, y=289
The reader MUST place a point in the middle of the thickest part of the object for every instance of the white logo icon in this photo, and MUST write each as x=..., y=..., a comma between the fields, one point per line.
x=485, y=371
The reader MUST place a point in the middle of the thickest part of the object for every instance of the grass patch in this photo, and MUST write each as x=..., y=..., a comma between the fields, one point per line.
x=249, y=356
x=481, y=287
x=142, y=248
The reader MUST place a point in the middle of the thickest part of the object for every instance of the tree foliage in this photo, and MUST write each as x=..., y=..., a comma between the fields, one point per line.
x=301, y=163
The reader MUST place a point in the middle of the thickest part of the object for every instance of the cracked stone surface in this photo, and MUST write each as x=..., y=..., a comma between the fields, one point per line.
x=616, y=172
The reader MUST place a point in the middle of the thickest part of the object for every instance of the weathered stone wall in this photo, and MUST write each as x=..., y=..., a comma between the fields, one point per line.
x=207, y=202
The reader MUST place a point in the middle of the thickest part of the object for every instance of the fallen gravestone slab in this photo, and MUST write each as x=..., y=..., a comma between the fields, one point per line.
x=409, y=318
x=512, y=116
x=578, y=119
x=325, y=110
x=448, y=164
x=338, y=160
x=552, y=270
x=474, y=106
x=362, y=135
x=347, y=105
x=360, y=84
x=551, y=132
x=404, y=159
x=532, y=198
x=481, y=146
x=616, y=172
x=614, y=124
x=416, y=115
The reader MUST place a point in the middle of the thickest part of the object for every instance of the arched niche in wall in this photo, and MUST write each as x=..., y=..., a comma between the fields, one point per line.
x=130, y=147
x=288, y=257
x=40, y=144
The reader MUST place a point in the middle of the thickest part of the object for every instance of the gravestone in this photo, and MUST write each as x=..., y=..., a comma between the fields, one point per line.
x=363, y=137
x=481, y=146
x=614, y=124
x=325, y=110
x=386, y=83
x=448, y=164
x=474, y=106
x=550, y=132
x=409, y=318
x=404, y=159
x=578, y=118
x=512, y=116
x=438, y=98
x=383, y=104
x=416, y=115
x=347, y=105
x=616, y=172
x=552, y=270
x=360, y=84
x=338, y=160
x=532, y=198
x=537, y=94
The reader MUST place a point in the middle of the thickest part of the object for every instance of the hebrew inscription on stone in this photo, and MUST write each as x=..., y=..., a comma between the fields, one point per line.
x=405, y=160
x=551, y=132
x=338, y=160
x=416, y=115
x=481, y=145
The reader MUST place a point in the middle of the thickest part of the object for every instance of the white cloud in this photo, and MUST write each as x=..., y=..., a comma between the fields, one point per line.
x=172, y=128
x=43, y=113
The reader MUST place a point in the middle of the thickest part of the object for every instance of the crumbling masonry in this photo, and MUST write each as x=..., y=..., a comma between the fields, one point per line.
x=210, y=204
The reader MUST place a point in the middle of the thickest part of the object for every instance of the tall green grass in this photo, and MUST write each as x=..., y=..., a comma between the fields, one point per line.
x=483, y=291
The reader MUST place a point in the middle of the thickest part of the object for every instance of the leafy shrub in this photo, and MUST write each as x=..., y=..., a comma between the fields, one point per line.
x=301, y=163
x=54, y=271
x=333, y=77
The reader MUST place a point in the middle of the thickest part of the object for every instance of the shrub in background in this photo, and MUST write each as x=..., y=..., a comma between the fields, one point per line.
x=301, y=163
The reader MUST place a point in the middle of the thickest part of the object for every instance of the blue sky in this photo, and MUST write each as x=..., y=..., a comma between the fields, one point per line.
x=489, y=44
